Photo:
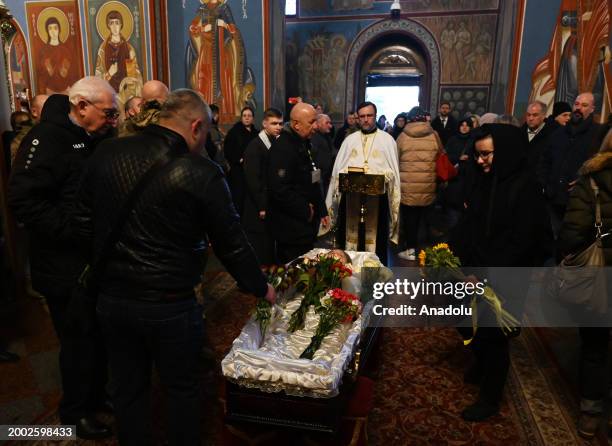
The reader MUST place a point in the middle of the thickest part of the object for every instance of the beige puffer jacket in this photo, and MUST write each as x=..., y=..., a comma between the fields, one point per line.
x=418, y=146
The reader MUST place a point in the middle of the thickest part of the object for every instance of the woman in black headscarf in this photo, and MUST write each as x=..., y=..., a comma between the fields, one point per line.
x=236, y=141
x=504, y=225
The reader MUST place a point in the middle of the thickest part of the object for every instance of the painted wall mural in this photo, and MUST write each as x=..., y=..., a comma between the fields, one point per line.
x=216, y=60
x=117, y=46
x=56, y=45
x=19, y=67
x=276, y=69
x=322, y=67
x=467, y=44
x=311, y=8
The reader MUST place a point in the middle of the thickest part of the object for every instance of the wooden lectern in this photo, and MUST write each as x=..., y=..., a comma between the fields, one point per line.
x=356, y=181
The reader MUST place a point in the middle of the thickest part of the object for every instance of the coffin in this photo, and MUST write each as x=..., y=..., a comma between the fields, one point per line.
x=272, y=364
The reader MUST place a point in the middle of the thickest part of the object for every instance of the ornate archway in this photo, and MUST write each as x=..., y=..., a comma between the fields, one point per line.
x=368, y=37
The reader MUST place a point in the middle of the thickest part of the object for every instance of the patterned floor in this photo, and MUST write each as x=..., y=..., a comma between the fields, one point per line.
x=419, y=392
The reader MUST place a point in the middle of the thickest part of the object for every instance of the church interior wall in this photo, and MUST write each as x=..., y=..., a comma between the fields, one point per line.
x=322, y=28
x=540, y=21
x=146, y=29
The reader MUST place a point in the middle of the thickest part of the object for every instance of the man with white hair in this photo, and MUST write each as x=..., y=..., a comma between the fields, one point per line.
x=147, y=306
x=41, y=193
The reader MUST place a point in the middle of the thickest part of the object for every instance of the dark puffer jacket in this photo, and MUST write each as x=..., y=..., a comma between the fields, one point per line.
x=578, y=230
x=161, y=248
x=42, y=191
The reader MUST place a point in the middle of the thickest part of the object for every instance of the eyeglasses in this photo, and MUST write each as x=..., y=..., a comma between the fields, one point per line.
x=109, y=113
x=482, y=155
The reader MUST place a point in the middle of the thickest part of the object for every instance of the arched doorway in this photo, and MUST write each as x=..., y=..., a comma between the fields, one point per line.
x=392, y=74
x=374, y=52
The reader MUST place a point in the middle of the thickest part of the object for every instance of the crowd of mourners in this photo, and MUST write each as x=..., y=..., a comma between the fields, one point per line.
x=140, y=194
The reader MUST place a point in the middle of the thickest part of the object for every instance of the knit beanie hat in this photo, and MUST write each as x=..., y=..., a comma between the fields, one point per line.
x=560, y=107
x=417, y=114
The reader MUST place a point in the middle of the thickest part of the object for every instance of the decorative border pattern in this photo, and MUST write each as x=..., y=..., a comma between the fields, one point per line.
x=404, y=26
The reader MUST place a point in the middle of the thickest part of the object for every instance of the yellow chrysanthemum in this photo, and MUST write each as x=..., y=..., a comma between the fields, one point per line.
x=440, y=246
x=422, y=258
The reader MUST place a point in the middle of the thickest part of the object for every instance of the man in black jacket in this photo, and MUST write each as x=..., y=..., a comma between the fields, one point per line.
x=147, y=306
x=444, y=123
x=567, y=149
x=295, y=201
x=255, y=167
x=323, y=151
x=536, y=131
x=42, y=190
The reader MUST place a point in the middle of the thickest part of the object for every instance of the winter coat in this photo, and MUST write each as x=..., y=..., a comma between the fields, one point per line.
x=567, y=149
x=453, y=194
x=290, y=190
x=163, y=243
x=255, y=165
x=418, y=147
x=537, y=146
x=505, y=222
x=324, y=155
x=445, y=133
x=236, y=142
x=42, y=191
x=578, y=229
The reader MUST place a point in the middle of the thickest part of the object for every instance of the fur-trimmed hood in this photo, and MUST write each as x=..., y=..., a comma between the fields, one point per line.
x=597, y=163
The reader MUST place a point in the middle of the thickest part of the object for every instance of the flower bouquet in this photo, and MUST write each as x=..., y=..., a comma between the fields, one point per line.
x=281, y=278
x=335, y=307
x=439, y=263
x=316, y=277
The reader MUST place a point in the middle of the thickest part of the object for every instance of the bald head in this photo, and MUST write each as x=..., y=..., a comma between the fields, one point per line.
x=155, y=90
x=303, y=119
x=584, y=105
x=37, y=106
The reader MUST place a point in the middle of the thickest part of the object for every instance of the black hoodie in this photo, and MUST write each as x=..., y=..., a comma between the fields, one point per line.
x=42, y=190
x=505, y=223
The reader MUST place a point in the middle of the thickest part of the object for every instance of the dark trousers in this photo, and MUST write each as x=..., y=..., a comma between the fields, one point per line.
x=594, y=376
x=82, y=363
x=286, y=252
x=491, y=349
x=411, y=218
x=139, y=335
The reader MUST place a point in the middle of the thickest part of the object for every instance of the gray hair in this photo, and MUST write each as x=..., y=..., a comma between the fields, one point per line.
x=542, y=105
x=507, y=119
x=185, y=104
x=89, y=88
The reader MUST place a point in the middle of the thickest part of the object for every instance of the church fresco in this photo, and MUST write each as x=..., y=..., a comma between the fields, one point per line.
x=467, y=44
x=217, y=62
x=19, y=67
x=117, y=46
x=332, y=7
x=56, y=45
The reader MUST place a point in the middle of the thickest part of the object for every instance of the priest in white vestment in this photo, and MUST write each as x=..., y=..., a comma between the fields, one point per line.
x=374, y=151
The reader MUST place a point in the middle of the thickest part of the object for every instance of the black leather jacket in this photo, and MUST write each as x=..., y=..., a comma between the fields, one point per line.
x=161, y=248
